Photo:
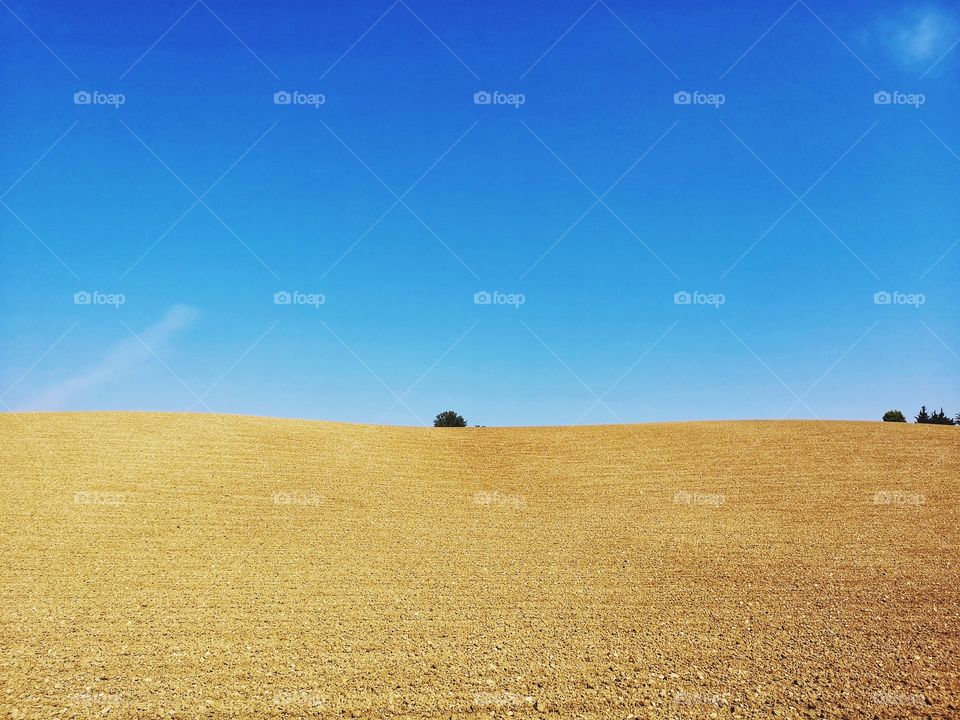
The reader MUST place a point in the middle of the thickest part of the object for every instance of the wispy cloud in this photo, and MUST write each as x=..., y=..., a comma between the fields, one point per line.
x=918, y=35
x=125, y=358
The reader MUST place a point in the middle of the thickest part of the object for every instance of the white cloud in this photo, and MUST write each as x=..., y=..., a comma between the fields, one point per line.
x=918, y=36
x=122, y=359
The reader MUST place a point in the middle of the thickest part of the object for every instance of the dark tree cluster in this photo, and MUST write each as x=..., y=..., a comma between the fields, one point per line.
x=448, y=418
x=938, y=417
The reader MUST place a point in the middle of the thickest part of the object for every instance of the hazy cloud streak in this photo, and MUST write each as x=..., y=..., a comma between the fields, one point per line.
x=122, y=359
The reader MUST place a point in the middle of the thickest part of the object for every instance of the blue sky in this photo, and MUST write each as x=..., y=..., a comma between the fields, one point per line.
x=583, y=198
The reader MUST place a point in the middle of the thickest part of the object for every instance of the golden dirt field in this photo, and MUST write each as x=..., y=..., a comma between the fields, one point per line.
x=162, y=565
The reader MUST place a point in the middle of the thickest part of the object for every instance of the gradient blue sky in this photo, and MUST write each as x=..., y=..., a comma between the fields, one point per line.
x=305, y=199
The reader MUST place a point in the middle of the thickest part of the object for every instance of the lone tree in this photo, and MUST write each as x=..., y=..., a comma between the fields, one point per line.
x=923, y=416
x=448, y=418
x=893, y=416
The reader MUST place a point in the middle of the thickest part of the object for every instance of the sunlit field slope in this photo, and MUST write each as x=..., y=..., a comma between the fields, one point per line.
x=158, y=565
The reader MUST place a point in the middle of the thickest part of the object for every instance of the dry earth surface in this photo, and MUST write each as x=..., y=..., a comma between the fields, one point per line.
x=200, y=566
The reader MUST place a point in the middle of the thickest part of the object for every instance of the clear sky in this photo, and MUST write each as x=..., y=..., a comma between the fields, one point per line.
x=182, y=193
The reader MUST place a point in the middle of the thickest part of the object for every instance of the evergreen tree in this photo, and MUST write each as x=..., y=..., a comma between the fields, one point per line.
x=923, y=416
x=940, y=418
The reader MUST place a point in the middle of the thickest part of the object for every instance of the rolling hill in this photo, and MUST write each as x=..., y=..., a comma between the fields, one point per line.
x=173, y=565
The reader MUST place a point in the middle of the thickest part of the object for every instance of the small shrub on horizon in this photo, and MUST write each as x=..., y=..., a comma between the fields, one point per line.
x=893, y=416
x=449, y=418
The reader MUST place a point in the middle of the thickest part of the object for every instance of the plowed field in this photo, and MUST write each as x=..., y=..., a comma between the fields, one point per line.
x=162, y=565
